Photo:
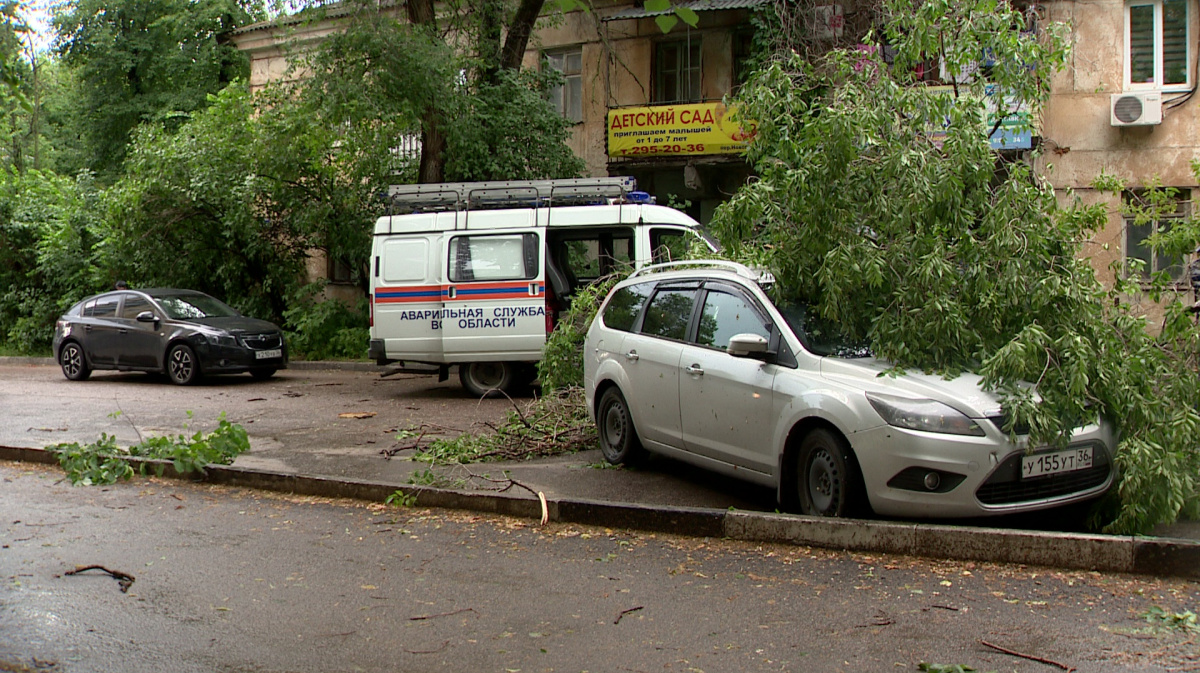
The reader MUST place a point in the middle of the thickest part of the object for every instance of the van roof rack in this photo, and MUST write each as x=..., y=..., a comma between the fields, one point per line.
x=511, y=194
x=761, y=276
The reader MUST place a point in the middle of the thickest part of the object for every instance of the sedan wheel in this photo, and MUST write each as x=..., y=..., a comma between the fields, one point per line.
x=73, y=362
x=829, y=484
x=182, y=366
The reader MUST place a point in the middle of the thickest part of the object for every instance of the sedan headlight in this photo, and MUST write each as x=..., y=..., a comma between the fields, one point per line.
x=924, y=415
x=221, y=339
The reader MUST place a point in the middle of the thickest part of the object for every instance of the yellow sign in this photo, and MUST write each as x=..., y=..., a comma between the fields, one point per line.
x=686, y=129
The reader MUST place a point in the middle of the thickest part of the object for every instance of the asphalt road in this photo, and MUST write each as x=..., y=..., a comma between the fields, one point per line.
x=236, y=580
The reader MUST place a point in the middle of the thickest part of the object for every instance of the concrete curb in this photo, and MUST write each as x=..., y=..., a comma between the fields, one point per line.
x=300, y=365
x=1163, y=557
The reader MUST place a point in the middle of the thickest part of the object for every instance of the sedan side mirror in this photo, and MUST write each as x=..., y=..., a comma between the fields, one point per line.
x=747, y=346
x=146, y=316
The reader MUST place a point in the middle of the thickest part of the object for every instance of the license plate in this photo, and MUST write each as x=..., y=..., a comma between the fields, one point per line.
x=273, y=353
x=1042, y=464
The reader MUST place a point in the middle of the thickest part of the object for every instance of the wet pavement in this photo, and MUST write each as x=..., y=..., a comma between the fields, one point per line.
x=228, y=579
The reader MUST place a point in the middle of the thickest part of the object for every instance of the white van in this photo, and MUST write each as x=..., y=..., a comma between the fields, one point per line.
x=476, y=273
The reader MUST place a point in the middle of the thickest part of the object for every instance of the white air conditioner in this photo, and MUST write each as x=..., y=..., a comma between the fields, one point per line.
x=1141, y=108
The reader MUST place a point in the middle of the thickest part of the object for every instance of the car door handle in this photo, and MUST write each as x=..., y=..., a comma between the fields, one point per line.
x=694, y=369
x=87, y=328
x=124, y=331
x=632, y=356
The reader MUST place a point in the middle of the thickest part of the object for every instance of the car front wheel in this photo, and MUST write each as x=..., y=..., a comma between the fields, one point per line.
x=828, y=480
x=73, y=362
x=182, y=366
x=618, y=439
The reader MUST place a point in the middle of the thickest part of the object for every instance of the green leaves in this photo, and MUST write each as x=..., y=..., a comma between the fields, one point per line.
x=103, y=462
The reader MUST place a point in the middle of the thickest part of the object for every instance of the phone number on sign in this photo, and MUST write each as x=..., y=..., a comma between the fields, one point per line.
x=664, y=149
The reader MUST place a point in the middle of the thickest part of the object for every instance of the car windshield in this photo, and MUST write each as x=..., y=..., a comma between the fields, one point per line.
x=192, y=306
x=818, y=335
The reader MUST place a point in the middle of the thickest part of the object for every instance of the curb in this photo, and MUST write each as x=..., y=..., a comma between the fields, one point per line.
x=300, y=365
x=1162, y=557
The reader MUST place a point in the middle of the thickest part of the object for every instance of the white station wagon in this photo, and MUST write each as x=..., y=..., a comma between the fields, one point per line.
x=693, y=360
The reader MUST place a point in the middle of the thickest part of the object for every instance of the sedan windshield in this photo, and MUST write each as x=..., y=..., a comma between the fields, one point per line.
x=192, y=306
x=818, y=335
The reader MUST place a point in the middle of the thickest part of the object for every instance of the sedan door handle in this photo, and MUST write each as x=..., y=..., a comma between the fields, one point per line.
x=632, y=356
x=124, y=331
x=694, y=369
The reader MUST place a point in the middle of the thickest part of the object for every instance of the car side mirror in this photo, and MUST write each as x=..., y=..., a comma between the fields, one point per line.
x=146, y=316
x=747, y=346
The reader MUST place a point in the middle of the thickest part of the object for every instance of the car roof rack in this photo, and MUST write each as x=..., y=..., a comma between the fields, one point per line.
x=761, y=276
x=500, y=194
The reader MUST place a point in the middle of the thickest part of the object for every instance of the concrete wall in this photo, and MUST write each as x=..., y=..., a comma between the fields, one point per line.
x=1080, y=142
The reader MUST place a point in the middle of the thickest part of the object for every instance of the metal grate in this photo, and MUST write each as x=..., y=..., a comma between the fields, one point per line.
x=263, y=341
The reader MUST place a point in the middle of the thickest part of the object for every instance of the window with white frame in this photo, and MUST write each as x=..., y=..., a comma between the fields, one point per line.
x=1137, y=247
x=1157, y=45
x=568, y=98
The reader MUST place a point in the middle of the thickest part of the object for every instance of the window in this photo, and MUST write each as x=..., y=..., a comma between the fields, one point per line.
x=134, y=304
x=726, y=314
x=667, y=245
x=669, y=313
x=339, y=271
x=584, y=257
x=503, y=257
x=568, y=98
x=1137, y=248
x=677, y=72
x=622, y=310
x=1157, y=44
x=102, y=307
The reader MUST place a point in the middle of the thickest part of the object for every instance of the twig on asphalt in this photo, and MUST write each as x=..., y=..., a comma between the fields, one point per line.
x=509, y=483
x=625, y=612
x=124, y=580
x=1031, y=657
x=444, y=614
x=444, y=644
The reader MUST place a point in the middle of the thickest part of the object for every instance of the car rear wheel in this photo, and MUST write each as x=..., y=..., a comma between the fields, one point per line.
x=828, y=479
x=485, y=379
x=73, y=362
x=618, y=438
x=182, y=366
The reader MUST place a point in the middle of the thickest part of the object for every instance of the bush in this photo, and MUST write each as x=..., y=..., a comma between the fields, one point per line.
x=326, y=330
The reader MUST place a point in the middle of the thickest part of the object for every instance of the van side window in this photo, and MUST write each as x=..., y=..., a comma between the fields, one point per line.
x=585, y=256
x=669, y=313
x=626, y=304
x=496, y=257
x=667, y=245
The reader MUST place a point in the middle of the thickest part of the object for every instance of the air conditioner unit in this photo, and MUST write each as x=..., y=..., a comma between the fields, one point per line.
x=1141, y=108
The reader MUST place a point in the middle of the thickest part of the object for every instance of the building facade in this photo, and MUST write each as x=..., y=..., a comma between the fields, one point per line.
x=650, y=103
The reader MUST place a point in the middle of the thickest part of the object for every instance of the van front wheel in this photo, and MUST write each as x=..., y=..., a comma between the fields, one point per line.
x=485, y=379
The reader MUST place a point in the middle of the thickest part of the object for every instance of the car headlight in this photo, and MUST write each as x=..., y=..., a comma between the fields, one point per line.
x=924, y=415
x=221, y=339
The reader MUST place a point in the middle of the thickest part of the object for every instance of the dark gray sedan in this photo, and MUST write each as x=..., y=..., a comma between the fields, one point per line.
x=182, y=333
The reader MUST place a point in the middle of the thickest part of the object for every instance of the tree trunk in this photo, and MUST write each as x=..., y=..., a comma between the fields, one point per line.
x=433, y=140
x=519, y=32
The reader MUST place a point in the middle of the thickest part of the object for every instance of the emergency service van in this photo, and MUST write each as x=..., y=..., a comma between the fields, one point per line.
x=475, y=274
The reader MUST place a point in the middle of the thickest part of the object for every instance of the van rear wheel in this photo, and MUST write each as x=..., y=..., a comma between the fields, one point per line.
x=486, y=379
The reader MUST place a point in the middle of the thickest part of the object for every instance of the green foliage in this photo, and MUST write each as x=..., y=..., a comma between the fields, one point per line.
x=507, y=130
x=561, y=366
x=555, y=424
x=1172, y=621
x=142, y=61
x=103, y=462
x=326, y=329
x=401, y=499
x=946, y=258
